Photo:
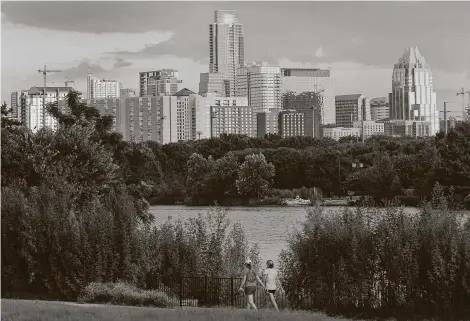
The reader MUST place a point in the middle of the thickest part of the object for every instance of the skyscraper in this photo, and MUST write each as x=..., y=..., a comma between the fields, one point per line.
x=102, y=88
x=413, y=100
x=261, y=83
x=212, y=83
x=159, y=82
x=226, y=50
x=309, y=90
x=351, y=108
x=33, y=113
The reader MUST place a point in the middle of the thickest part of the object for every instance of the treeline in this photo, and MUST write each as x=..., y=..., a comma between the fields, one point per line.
x=403, y=168
x=382, y=263
x=74, y=211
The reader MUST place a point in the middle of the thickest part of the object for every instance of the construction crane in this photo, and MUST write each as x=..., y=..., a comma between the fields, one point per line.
x=462, y=93
x=467, y=114
x=44, y=73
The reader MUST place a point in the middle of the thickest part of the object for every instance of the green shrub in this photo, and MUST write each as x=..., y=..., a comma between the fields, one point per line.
x=125, y=294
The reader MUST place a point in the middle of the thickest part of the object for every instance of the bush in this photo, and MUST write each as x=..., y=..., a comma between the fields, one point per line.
x=125, y=294
x=372, y=262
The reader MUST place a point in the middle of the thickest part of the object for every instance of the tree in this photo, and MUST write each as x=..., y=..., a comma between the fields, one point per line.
x=255, y=176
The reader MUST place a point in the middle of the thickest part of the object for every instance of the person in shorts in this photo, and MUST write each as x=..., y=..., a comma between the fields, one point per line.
x=250, y=277
x=271, y=278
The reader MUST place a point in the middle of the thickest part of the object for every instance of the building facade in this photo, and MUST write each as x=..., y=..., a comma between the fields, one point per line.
x=201, y=106
x=400, y=128
x=314, y=86
x=226, y=47
x=127, y=92
x=338, y=132
x=15, y=105
x=261, y=84
x=291, y=123
x=140, y=119
x=102, y=88
x=32, y=112
x=211, y=83
x=351, y=108
x=185, y=115
x=267, y=123
x=413, y=97
x=369, y=128
x=237, y=120
x=159, y=82
x=379, y=108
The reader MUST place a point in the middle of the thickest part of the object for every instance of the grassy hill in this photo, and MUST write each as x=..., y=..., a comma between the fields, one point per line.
x=23, y=310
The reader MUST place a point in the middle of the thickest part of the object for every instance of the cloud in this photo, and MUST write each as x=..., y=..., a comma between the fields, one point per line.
x=320, y=53
x=121, y=63
x=357, y=40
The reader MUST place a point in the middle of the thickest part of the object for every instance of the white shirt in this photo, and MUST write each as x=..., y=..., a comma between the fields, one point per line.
x=271, y=276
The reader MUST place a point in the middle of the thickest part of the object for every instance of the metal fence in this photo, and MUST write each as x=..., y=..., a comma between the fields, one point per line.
x=201, y=291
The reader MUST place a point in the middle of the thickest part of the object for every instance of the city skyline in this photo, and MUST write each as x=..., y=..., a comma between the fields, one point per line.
x=360, y=52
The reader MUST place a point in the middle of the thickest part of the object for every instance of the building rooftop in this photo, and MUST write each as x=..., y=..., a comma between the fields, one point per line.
x=412, y=56
x=379, y=100
x=184, y=92
x=37, y=90
x=348, y=97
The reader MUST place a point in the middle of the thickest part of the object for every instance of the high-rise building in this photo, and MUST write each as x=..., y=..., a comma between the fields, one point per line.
x=291, y=123
x=140, y=119
x=237, y=120
x=413, y=98
x=310, y=91
x=201, y=106
x=267, y=122
x=102, y=88
x=159, y=82
x=379, y=108
x=226, y=47
x=261, y=83
x=212, y=83
x=15, y=104
x=185, y=115
x=351, y=108
x=33, y=115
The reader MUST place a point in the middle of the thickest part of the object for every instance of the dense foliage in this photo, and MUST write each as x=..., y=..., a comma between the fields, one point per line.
x=74, y=211
x=382, y=262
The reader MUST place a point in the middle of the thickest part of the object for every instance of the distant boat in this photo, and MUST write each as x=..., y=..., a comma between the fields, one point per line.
x=296, y=202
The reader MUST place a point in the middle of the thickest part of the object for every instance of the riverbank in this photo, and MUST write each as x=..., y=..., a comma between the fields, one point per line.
x=24, y=310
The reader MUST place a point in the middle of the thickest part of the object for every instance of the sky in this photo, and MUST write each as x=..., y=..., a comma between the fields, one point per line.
x=359, y=41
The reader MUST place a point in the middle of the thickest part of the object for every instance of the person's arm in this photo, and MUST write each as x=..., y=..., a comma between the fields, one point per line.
x=259, y=280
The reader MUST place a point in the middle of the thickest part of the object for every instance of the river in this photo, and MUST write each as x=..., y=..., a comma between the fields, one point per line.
x=267, y=226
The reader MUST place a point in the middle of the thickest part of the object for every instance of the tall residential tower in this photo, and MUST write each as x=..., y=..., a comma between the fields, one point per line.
x=413, y=100
x=226, y=50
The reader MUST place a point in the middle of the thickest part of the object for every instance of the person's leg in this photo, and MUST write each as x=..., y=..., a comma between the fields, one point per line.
x=251, y=302
x=273, y=301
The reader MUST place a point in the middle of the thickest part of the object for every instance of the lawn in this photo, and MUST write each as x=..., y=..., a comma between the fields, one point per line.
x=22, y=310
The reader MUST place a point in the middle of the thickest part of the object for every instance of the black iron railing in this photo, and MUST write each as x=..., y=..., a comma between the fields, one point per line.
x=201, y=291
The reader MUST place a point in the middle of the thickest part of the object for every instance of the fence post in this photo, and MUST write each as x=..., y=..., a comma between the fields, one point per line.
x=206, y=291
x=181, y=291
x=231, y=291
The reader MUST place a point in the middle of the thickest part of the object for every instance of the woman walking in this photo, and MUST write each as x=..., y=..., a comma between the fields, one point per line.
x=271, y=277
x=249, y=282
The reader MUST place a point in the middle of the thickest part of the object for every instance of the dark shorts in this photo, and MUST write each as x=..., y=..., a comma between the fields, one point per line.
x=272, y=291
x=250, y=290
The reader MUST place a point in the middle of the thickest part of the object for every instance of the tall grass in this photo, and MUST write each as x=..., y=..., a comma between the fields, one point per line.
x=381, y=262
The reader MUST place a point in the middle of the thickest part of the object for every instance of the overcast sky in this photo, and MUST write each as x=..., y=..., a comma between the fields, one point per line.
x=360, y=41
